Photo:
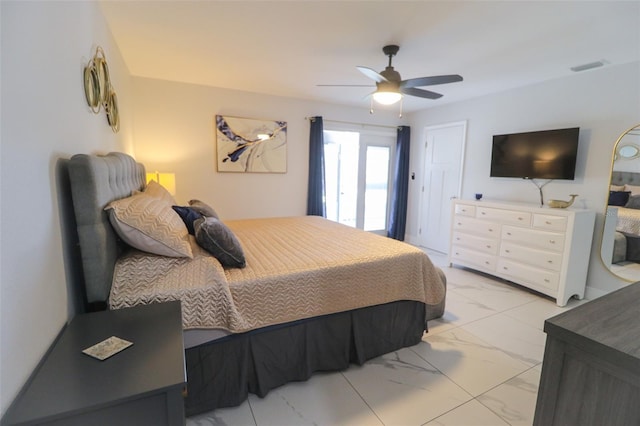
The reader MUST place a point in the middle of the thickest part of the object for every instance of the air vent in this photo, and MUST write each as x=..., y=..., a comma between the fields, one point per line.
x=588, y=66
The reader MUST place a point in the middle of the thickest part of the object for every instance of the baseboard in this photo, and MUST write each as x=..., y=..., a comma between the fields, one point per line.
x=411, y=240
x=593, y=293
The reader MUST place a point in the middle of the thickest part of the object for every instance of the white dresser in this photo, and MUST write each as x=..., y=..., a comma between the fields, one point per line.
x=541, y=248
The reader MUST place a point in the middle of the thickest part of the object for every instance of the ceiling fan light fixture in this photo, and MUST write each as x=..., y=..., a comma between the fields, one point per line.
x=387, y=97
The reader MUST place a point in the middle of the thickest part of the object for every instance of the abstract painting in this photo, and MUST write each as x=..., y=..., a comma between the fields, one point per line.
x=249, y=145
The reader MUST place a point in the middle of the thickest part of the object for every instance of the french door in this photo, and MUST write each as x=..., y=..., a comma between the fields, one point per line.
x=358, y=177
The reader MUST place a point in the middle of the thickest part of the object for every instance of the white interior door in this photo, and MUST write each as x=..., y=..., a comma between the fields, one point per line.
x=443, y=165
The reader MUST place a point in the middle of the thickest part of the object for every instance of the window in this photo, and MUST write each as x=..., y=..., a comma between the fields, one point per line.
x=358, y=177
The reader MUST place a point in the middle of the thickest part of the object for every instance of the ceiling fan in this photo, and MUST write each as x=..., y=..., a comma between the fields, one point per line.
x=390, y=87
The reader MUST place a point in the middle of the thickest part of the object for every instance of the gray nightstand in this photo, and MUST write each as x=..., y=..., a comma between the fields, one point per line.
x=142, y=385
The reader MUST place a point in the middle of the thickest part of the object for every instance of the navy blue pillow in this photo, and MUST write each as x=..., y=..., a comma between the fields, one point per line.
x=619, y=198
x=188, y=216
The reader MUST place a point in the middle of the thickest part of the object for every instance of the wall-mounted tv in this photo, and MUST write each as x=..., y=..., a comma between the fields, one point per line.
x=546, y=154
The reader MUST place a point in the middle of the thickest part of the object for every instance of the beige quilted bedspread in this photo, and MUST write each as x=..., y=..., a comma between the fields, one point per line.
x=296, y=268
x=628, y=221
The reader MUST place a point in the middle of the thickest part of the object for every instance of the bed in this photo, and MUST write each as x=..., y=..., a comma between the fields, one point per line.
x=624, y=197
x=282, y=318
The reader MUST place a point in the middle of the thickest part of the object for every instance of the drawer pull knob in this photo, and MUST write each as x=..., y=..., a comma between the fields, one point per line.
x=482, y=213
x=520, y=218
x=507, y=251
x=490, y=229
x=549, y=261
x=457, y=238
x=508, y=233
x=552, y=241
x=548, y=222
x=505, y=268
x=486, y=262
x=546, y=280
x=463, y=210
x=488, y=245
x=459, y=224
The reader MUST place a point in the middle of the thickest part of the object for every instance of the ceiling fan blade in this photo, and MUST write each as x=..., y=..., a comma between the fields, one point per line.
x=431, y=81
x=373, y=75
x=345, y=85
x=420, y=93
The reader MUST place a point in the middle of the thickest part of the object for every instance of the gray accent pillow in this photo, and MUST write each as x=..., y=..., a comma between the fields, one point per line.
x=633, y=249
x=203, y=208
x=634, y=202
x=216, y=238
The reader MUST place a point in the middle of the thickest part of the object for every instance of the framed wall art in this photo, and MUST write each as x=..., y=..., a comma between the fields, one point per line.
x=250, y=145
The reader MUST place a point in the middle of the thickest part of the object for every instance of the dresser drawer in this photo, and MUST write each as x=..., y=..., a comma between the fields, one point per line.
x=476, y=226
x=541, y=248
x=553, y=241
x=465, y=210
x=468, y=256
x=542, y=258
x=549, y=222
x=483, y=244
x=503, y=215
x=529, y=274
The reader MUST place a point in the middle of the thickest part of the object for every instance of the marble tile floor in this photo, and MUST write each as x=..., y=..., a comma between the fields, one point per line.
x=478, y=365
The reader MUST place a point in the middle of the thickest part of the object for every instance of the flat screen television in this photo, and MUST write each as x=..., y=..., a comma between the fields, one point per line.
x=546, y=154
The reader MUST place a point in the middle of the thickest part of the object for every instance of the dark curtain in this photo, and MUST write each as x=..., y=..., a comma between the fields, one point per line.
x=315, y=194
x=398, y=217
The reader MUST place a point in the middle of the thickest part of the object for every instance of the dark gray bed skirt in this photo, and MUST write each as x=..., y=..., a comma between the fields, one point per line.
x=222, y=373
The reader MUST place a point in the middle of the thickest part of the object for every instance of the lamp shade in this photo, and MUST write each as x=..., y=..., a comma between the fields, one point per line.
x=167, y=180
x=387, y=97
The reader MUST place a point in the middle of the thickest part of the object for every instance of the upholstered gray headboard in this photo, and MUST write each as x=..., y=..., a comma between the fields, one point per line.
x=96, y=181
x=620, y=178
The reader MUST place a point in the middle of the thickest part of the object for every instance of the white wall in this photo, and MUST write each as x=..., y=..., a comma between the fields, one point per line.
x=603, y=103
x=44, y=116
x=174, y=132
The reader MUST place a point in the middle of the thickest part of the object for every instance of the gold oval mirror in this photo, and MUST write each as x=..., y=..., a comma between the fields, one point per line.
x=620, y=246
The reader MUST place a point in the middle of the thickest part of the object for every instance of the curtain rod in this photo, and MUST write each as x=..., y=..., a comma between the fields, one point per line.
x=357, y=124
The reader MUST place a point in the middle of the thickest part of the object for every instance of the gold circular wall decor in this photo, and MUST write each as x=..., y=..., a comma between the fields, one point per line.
x=92, y=89
x=111, y=107
x=98, y=89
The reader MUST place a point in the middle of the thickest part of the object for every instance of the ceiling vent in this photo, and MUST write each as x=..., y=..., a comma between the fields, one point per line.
x=588, y=66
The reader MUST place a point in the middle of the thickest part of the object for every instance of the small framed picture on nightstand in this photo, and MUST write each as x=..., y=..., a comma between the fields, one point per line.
x=107, y=348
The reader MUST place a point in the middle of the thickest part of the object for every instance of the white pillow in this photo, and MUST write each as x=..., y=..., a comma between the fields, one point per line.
x=150, y=224
x=635, y=189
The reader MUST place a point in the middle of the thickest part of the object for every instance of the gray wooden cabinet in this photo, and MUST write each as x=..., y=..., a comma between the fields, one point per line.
x=142, y=385
x=591, y=367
